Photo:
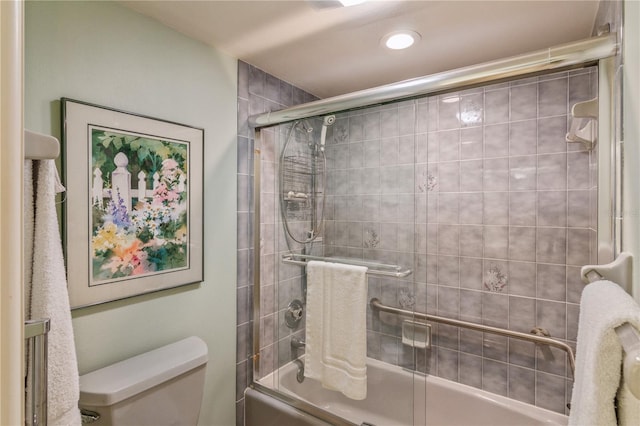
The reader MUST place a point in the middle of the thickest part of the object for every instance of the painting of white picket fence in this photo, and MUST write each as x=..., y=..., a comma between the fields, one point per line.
x=141, y=229
x=121, y=184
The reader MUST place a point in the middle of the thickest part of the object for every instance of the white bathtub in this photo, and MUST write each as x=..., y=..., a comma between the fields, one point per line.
x=396, y=397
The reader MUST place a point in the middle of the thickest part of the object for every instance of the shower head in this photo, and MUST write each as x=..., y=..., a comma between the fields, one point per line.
x=328, y=121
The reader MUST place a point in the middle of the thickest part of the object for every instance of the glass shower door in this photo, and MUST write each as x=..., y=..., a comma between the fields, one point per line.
x=357, y=204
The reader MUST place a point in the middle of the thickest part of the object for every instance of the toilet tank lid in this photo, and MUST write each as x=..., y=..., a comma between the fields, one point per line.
x=119, y=381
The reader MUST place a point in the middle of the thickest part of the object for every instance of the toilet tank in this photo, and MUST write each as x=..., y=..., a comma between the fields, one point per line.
x=160, y=387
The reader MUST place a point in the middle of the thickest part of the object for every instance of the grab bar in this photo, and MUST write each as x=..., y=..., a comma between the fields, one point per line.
x=376, y=304
x=374, y=268
x=630, y=341
x=35, y=334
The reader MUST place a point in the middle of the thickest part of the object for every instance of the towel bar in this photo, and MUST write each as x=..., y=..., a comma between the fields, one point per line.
x=619, y=271
x=630, y=341
x=35, y=334
x=40, y=147
x=374, y=268
x=376, y=304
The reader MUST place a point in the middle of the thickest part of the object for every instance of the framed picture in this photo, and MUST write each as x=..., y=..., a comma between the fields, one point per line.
x=133, y=210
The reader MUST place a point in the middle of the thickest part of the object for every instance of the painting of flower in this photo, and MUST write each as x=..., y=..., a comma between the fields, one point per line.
x=139, y=210
x=134, y=206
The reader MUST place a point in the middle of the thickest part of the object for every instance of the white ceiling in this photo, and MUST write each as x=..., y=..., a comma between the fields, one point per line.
x=330, y=50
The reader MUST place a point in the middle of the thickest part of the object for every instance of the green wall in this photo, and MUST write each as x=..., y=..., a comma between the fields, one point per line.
x=103, y=53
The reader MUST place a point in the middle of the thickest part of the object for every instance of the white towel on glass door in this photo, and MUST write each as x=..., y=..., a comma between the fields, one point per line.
x=336, y=335
x=603, y=307
x=48, y=298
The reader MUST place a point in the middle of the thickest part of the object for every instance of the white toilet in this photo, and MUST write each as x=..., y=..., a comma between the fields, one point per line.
x=160, y=387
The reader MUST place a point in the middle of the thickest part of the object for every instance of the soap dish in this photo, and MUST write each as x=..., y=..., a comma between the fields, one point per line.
x=416, y=334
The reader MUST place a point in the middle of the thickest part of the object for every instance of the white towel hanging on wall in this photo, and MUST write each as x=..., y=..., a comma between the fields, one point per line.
x=47, y=286
x=603, y=307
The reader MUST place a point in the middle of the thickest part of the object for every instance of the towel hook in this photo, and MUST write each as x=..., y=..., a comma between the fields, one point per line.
x=619, y=271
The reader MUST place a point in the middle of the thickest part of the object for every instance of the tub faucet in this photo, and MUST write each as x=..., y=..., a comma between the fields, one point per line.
x=300, y=372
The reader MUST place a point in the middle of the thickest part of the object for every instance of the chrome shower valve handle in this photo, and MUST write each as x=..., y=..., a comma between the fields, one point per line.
x=294, y=313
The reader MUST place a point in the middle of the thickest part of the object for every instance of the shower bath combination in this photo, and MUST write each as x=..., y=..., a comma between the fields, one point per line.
x=435, y=249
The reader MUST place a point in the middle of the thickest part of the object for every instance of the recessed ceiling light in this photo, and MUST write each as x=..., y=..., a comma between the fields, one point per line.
x=347, y=3
x=400, y=39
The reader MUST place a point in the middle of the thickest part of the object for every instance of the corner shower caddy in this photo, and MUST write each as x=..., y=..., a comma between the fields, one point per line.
x=583, y=128
x=297, y=192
